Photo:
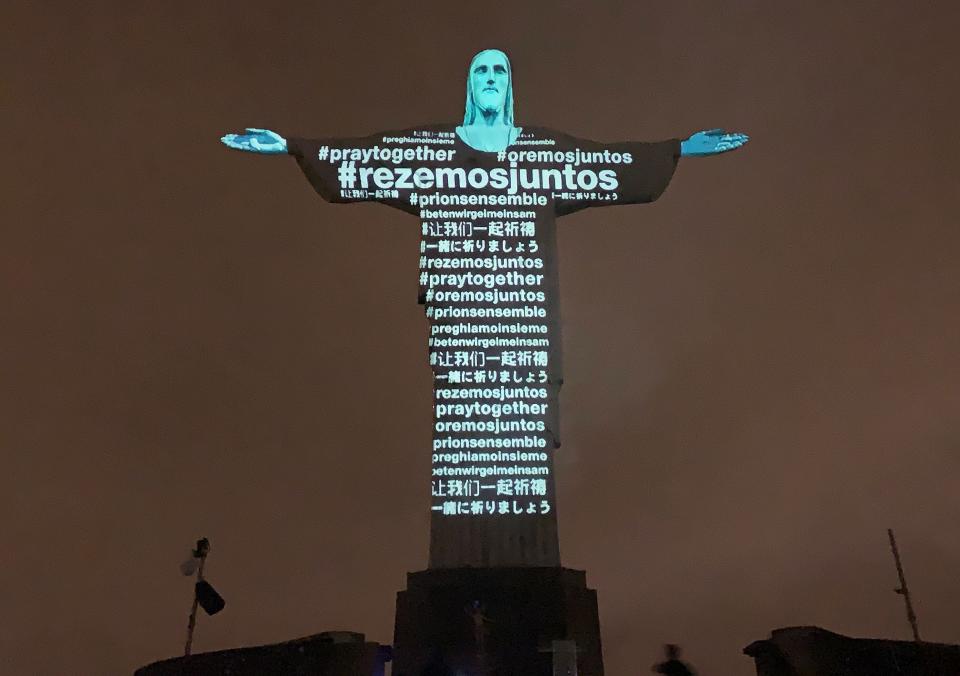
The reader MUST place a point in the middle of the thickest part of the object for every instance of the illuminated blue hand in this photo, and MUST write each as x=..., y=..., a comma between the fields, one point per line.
x=711, y=142
x=257, y=141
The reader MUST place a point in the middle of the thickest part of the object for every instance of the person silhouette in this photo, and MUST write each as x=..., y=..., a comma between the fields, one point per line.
x=673, y=666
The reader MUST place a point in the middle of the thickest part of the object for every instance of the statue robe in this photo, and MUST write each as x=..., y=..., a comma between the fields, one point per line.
x=489, y=286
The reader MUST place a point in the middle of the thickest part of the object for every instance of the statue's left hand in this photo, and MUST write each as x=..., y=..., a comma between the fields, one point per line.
x=711, y=142
x=261, y=141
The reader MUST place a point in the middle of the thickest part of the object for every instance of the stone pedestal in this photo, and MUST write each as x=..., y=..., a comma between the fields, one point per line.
x=495, y=622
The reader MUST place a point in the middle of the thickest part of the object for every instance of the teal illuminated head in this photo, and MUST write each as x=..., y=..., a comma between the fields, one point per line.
x=489, y=87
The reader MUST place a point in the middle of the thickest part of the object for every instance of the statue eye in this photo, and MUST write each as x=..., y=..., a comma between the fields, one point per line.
x=499, y=69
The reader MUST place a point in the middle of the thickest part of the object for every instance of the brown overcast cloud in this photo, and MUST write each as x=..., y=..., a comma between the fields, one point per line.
x=761, y=368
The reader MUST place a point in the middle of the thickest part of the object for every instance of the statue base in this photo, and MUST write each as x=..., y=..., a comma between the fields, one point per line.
x=497, y=622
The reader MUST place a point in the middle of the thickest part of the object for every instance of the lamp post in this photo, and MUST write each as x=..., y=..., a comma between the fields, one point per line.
x=200, y=553
x=902, y=589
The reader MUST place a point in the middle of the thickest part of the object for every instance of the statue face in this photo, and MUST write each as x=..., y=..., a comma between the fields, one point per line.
x=490, y=79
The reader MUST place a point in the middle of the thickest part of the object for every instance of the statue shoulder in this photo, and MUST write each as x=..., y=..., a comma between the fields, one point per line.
x=543, y=138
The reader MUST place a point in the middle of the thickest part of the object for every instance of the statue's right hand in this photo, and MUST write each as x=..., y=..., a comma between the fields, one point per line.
x=256, y=141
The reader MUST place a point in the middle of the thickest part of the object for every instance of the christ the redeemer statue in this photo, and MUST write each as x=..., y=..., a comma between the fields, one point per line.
x=488, y=194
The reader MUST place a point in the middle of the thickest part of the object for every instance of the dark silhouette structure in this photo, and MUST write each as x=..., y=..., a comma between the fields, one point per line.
x=502, y=621
x=812, y=651
x=335, y=653
x=673, y=666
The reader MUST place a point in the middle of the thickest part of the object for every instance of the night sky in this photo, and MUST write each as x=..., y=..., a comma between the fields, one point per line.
x=762, y=372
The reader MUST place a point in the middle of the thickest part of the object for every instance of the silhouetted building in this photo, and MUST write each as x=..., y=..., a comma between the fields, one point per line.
x=811, y=651
x=332, y=653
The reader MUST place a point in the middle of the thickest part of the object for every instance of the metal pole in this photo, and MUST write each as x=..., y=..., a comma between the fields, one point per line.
x=902, y=589
x=203, y=546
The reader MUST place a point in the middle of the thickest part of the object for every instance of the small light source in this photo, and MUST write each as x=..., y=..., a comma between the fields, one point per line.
x=208, y=598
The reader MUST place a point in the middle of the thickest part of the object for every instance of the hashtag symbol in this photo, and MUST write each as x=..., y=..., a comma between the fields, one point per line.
x=430, y=311
x=429, y=294
x=324, y=152
x=502, y=155
x=347, y=175
x=423, y=279
x=413, y=198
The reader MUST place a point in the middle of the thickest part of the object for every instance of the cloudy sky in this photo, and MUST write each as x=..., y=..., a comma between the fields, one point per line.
x=761, y=368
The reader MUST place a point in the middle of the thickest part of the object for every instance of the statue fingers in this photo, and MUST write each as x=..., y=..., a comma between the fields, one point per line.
x=230, y=140
x=732, y=145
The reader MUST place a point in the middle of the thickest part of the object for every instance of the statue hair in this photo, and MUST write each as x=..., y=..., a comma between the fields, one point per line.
x=470, y=113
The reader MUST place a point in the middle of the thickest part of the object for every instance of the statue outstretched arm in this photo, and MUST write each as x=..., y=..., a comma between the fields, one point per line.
x=711, y=142
x=325, y=165
x=261, y=141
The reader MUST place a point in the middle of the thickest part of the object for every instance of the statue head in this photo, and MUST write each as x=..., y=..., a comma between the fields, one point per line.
x=489, y=86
